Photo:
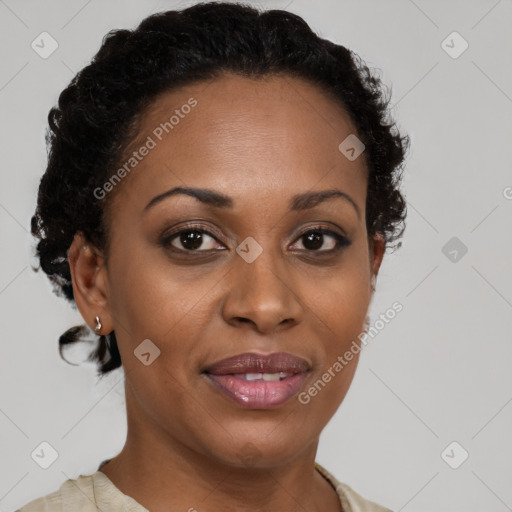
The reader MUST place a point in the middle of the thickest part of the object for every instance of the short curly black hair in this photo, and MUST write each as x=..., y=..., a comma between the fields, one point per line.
x=96, y=119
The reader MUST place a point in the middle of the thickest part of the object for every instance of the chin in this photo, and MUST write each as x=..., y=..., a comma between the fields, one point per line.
x=260, y=451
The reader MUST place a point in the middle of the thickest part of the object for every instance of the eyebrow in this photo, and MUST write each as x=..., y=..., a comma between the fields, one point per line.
x=214, y=199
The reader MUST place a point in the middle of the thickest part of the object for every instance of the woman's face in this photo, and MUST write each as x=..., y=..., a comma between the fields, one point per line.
x=261, y=279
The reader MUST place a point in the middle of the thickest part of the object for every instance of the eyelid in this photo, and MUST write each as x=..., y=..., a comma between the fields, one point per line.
x=323, y=229
x=168, y=234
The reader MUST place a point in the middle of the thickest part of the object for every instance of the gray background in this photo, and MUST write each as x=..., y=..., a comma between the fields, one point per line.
x=439, y=372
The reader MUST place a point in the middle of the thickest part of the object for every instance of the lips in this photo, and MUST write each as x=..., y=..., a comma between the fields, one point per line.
x=258, y=381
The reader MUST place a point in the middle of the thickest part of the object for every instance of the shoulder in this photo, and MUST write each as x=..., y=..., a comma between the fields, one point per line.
x=350, y=499
x=87, y=493
x=76, y=493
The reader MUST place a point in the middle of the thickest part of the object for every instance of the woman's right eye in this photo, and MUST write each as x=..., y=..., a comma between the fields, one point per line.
x=191, y=240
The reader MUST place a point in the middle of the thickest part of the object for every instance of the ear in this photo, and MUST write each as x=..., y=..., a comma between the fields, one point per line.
x=377, y=248
x=90, y=285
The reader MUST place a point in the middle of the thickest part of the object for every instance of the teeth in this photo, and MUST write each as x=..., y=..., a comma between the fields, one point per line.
x=266, y=376
x=253, y=376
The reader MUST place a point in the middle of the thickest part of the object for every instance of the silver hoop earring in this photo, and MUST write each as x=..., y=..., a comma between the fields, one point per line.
x=98, y=326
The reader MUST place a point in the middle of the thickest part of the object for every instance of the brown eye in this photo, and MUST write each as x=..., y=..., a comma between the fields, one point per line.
x=317, y=238
x=191, y=240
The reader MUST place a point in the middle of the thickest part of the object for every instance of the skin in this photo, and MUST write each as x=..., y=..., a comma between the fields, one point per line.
x=258, y=141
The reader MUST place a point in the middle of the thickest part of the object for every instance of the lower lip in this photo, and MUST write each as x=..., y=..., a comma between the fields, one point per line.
x=258, y=394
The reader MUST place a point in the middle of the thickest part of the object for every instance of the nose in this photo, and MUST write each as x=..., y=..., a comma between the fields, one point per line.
x=263, y=295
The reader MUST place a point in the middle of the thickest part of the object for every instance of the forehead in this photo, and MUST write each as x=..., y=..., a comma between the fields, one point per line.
x=243, y=136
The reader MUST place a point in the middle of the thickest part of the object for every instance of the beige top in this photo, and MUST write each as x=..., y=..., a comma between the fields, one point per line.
x=96, y=492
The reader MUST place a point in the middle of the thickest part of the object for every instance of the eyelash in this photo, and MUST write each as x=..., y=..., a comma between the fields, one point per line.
x=341, y=241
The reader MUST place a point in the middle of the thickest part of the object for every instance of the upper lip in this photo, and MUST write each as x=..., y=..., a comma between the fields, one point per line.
x=251, y=362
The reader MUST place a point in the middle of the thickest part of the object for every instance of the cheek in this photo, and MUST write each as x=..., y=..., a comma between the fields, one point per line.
x=149, y=295
x=341, y=298
x=341, y=304
x=169, y=305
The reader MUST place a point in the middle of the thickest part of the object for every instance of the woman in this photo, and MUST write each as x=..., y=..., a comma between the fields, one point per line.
x=221, y=187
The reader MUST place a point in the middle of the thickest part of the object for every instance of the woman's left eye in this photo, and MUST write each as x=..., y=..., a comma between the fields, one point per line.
x=314, y=238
